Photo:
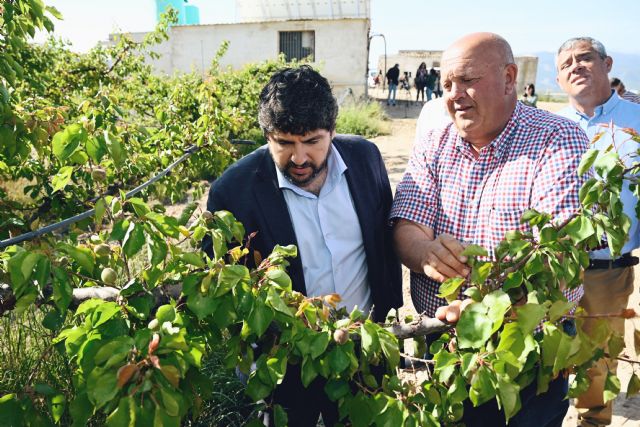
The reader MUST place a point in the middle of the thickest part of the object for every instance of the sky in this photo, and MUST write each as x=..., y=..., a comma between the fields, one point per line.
x=532, y=26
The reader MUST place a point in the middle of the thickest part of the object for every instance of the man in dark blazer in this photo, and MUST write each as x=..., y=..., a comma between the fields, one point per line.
x=330, y=196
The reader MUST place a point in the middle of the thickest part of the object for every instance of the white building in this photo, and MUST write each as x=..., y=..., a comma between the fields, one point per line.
x=333, y=33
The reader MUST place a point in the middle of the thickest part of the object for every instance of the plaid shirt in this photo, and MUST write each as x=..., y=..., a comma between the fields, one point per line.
x=530, y=165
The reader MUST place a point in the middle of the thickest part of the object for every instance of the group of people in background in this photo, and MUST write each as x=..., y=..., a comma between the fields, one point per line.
x=424, y=81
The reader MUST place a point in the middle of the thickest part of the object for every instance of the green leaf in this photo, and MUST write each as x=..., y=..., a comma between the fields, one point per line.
x=319, y=343
x=508, y=397
x=139, y=206
x=277, y=303
x=279, y=278
x=475, y=250
x=483, y=386
x=529, y=316
x=280, y=416
x=449, y=289
x=633, y=387
x=166, y=313
x=309, y=372
x=170, y=403
x=102, y=386
x=133, y=239
x=474, y=327
x=370, y=342
x=230, y=276
x=605, y=163
x=260, y=318
x=62, y=178
x=338, y=359
x=66, y=142
x=124, y=415
x=96, y=149
x=559, y=309
x=587, y=161
x=615, y=345
x=116, y=150
x=498, y=303
x=389, y=345
x=82, y=255
x=480, y=272
x=256, y=389
x=579, y=229
x=117, y=346
x=611, y=387
x=336, y=389
x=512, y=281
x=192, y=258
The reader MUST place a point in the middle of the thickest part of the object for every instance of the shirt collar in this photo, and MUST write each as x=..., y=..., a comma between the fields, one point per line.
x=601, y=110
x=502, y=142
x=335, y=168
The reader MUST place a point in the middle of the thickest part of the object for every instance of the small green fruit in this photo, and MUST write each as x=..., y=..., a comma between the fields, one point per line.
x=102, y=249
x=99, y=175
x=207, y=216
x=109, y=276
x=340, y=336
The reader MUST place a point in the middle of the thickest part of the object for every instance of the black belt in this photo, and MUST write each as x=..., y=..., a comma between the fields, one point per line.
x=626, y=260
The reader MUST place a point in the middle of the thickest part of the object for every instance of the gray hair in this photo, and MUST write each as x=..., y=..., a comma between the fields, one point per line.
x=595, y=44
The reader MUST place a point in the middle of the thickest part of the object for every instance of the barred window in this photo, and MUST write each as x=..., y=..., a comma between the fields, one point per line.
x=298, y=44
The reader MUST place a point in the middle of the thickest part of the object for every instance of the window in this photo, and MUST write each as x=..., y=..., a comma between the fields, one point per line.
x=298, y=44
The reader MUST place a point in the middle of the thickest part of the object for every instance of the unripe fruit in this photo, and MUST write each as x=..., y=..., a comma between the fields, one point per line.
x=340, y=336
x=206, y=215
x=154, y=325
x=99, y=175
x=102, y=249
x=109, y=276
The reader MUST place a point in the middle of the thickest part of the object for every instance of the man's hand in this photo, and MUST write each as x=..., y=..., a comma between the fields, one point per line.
x=442, y=259
x=451, y=313
x=419, y=249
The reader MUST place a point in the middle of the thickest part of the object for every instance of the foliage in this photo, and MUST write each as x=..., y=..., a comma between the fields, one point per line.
x=81, y=127
x=362, y=118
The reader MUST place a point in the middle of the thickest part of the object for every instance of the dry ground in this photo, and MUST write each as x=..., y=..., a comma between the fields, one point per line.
x=396, y=148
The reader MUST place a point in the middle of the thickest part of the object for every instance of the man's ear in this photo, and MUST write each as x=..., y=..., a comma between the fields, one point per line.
x=510, y=75
x=608, y=61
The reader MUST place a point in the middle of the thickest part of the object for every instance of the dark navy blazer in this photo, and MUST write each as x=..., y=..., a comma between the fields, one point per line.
x=249, y=190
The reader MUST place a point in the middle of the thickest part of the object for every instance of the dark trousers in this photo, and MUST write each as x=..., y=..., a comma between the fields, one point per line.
x=545, y=410
x=304, y=405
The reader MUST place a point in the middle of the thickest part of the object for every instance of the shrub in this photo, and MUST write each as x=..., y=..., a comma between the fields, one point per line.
x=362, y=118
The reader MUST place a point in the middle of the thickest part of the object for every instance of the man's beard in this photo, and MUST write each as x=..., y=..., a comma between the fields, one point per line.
x=315, y=171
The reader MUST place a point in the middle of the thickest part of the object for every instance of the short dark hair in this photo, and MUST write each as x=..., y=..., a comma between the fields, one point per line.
x=615, y=82
x=297, y=101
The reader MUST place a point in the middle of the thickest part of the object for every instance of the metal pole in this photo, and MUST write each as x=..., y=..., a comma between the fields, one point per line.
x=383, y=76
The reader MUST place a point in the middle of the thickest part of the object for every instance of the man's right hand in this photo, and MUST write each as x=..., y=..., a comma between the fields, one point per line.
x=442, y=258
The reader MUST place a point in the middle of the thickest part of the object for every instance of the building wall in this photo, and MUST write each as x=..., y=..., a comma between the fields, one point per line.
x=192, y=48
x=409, y=60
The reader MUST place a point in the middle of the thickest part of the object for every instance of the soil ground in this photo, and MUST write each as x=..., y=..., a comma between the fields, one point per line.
x=396, y=149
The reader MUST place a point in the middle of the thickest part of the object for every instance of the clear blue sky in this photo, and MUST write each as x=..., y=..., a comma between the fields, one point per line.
x=407, y=24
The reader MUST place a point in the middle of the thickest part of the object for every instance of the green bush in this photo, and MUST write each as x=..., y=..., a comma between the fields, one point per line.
x=362, y=118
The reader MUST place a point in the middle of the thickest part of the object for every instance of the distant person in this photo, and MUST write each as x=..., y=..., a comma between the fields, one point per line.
x=420, y=80
x=392, y=80
x=404, y=81
x=437, y=87
x=583, y=65
x=431, y=83
x=530, y=98
x=618, y=86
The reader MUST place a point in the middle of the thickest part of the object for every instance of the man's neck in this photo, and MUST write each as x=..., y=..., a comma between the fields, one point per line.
x=588, y=103
x=316, y=184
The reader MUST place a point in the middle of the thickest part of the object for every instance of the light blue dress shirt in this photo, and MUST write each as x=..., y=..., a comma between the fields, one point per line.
x=329, y=237
x=623, y=114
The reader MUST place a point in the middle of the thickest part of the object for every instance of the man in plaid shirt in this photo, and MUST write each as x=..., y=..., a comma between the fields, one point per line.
x=471, y=180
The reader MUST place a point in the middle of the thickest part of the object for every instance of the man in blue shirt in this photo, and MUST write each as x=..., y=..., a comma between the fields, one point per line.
x=329, y=195
x=583, y=66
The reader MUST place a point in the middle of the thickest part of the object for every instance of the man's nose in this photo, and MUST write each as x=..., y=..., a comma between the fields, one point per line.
x=299, y=154
x=455, y=92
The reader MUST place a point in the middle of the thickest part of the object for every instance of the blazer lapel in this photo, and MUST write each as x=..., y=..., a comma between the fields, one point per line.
x=276, y=222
